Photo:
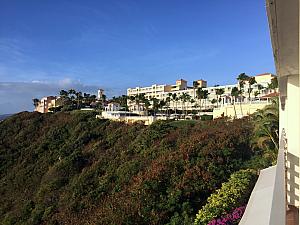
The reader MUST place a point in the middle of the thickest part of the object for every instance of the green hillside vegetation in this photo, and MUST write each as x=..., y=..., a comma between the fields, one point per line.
x=70, y=168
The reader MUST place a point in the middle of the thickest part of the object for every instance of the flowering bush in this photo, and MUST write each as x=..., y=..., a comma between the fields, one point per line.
x=231, y=218
x=232, y=194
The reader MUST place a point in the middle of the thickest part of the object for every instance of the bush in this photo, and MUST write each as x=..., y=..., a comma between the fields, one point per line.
x=233, y=193
x=73, y=168
x=232, y=218
x=206, y=117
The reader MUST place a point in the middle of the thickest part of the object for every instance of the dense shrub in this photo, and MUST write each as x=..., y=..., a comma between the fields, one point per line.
x=233, y=193
x=206, y=117
x=231, y=218
x=70, y=168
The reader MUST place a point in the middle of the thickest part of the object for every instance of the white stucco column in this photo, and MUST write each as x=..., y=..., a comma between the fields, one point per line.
x=290, y=122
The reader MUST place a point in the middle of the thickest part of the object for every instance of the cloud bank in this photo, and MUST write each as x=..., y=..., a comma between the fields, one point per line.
x=17, y=96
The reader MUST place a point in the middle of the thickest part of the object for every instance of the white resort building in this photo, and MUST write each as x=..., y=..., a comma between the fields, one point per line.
x=221, y=103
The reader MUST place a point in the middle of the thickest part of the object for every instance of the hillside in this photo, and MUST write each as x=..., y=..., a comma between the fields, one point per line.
x=70, y=168
x=4, y=116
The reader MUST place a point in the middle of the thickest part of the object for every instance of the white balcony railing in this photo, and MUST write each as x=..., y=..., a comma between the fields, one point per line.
x=267, y=203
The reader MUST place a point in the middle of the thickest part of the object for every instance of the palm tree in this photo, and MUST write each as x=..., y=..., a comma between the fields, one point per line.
x=219, y=92
x=64, y=97
x=139, y=98
x=35, y=102
x=242, y=78
x=78, y=98
x=86, y=99
x=274, y=84
x=205, y=96
x=63, y=94
x=267, y=126
x=184, y=97
x=200, y=96
x=175, y=99
x=147, y=104
x=260, y=88
x=131, y=98
x=162, y=104
x=213, y=101
x=234, y=93
x=195, y=86
x=103, y=98
x=168, y=100
x=122, y=100
x=72, y=93
x=188, y=100
x=155, y=105
x=251, y=81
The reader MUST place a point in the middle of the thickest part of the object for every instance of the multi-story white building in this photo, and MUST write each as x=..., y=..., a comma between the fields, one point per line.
x=162, y=92
x=45, y=104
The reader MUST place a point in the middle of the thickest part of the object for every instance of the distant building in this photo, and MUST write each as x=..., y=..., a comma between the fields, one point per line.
x=46, y=103
x=162, y=92
x=129, y=117
x=100, y=94
x=112, y=107
x=201, y=83
x=264, y=78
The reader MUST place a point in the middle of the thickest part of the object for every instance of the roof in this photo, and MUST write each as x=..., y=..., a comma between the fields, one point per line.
x=265, y=74
x=271, y=95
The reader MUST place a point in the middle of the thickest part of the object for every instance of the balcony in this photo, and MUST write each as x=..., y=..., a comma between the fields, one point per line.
x=276, y=196
x=267, y=203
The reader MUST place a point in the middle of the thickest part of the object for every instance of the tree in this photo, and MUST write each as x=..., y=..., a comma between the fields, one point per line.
x=147, y=104
x=78, y=98
x=64, y=98
x=63, y=94
x=195, y=86
x=266, y=128
x=260, y=88
x=242, y=78
x=162, y=104
x=184, y=97
x=205, y=96
x=35, y=102
x=122, y=100
x=274, y=84
x=72, y=94
x=139, y=98
x=168, y=100
x=213, y=101
x=103, y=98
x=175, y=99
x=219, y=92
x=200, y=96
x=155, y=105
x=251, y=81
x=234, y=94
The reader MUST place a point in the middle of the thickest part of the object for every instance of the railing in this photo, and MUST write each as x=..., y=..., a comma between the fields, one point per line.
x=267, y=203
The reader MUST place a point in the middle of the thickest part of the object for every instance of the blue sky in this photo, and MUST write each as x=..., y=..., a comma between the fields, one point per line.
x=48, y=45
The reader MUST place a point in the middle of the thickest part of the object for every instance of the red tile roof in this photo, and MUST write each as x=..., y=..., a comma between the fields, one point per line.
x=264, y=74
x=271, y=95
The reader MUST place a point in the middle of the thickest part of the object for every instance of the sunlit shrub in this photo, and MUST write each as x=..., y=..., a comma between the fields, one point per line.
x=233, y=193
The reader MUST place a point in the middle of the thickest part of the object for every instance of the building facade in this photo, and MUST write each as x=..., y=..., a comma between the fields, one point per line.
x=174, y=93
x=45, y=104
